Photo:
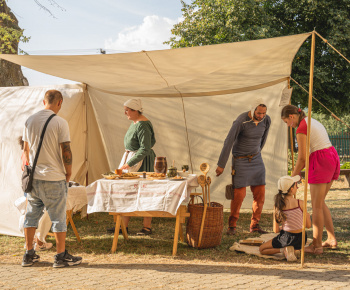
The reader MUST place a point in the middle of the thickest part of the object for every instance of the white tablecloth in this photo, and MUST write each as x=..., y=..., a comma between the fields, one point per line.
x=139, y=195
x=76, y=198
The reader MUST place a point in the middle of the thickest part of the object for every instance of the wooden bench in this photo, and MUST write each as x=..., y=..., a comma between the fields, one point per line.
x=345, y=172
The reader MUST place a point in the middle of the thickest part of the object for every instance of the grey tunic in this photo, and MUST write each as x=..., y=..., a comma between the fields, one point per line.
x=246, y=138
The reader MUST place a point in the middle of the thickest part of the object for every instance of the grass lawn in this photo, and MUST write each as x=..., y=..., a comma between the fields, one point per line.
x=157, y=248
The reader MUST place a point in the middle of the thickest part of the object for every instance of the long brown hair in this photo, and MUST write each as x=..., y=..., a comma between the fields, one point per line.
x=280, y=204
x=292, y=110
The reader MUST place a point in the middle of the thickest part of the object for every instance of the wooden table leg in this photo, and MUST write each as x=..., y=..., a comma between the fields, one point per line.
x=70, y=220
x=183, y=210
x=182, y=239
x=116, y=234
x=124, y=231
x=347, y=176
x=176, y=235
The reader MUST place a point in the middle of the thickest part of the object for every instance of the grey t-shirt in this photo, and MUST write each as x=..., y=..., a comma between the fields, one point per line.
x=50, y=165
x=244, y=138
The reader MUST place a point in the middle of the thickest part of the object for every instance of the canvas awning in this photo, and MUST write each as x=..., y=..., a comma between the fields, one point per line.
x=191, y=95
x=195, y=71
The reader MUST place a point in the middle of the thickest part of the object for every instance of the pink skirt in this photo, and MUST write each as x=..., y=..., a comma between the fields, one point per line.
x=324, y=166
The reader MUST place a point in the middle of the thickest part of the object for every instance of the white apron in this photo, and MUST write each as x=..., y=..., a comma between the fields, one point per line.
x=126, y=157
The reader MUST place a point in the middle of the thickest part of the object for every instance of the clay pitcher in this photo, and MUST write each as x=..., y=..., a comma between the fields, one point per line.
x=160, y=165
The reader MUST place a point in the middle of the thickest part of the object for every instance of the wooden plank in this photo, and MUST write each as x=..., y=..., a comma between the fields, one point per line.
x=124, y=231
x=176, y=235
x=116, y=234
x=70, y=220
x=145, y=214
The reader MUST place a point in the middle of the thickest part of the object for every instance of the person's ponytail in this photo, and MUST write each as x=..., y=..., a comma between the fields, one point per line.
x=279, y=205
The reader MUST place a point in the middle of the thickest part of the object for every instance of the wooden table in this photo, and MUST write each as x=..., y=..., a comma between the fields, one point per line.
x=180, y=219
x=142, y=198
x=345, y=172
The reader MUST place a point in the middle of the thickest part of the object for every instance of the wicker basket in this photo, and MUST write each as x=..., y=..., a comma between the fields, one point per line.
x=213, y=225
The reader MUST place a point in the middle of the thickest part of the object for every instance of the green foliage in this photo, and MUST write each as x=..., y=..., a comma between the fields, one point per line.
x=217, y=21
x=331, y=124
x=10, y=33
x=214, y=21
x=346, y=165
x=290, y=163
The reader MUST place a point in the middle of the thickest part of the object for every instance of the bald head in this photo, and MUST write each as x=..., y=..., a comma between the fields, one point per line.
x=52, y=97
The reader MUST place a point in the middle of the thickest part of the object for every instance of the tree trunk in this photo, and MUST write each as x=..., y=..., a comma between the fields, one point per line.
x=11, y=74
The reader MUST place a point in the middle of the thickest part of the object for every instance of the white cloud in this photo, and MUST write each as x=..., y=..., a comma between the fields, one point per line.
x=150, y=35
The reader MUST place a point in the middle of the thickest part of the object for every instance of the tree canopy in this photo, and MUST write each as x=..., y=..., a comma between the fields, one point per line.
x=10, y=33
x=217, y=21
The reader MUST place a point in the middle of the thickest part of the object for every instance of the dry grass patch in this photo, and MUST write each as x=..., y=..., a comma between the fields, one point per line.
x=157, y=248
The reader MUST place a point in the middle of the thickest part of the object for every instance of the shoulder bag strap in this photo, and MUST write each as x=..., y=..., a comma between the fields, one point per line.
x=41, y=141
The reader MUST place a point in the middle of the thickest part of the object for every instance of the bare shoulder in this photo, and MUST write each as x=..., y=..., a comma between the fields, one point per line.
x=291, y=203
x=301, y=203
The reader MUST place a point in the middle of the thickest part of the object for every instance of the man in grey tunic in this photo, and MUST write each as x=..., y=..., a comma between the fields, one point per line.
x=247, y=138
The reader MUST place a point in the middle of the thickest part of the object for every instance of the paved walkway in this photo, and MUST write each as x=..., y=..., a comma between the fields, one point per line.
x=172, y=276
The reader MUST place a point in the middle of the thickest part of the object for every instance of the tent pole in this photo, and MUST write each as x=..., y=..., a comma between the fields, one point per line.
x=311, y=84
x=86, y=133
x=291, y=133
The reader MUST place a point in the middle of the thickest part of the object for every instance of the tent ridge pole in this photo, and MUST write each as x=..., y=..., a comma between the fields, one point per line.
x=311, y=85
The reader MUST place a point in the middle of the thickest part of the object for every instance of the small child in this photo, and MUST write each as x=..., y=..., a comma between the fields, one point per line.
x=289, y=212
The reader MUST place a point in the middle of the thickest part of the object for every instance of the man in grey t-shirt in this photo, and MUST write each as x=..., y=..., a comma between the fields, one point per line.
x=52, y=173
x=246, y=139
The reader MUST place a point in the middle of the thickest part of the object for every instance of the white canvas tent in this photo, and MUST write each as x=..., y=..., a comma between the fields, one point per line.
x=191, y=95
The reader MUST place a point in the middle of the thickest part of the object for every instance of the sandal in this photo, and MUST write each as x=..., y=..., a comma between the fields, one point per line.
x=330, y=244
x=312, y=250
x=144, y=232
x=45, y=246
x=289, y=254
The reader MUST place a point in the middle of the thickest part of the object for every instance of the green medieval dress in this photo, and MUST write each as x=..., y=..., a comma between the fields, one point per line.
x=140, y=138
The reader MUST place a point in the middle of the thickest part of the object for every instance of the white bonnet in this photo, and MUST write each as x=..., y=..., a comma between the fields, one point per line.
x=256, y=102
x=134, y=104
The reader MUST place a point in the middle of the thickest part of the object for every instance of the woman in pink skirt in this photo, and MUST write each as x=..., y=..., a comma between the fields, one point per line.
x=324, y=167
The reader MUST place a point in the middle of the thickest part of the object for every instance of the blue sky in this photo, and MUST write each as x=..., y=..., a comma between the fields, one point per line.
x=85, y=26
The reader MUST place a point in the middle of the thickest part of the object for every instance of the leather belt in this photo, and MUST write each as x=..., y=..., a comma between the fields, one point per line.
x=250, y=157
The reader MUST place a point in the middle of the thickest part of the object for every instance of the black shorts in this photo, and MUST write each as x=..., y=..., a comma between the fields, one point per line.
x=285, y=239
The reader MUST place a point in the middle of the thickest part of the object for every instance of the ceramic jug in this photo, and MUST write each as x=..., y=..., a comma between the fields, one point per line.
x=160, y=165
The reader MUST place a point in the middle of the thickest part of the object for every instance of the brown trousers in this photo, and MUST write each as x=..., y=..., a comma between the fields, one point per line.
x=258, y=203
